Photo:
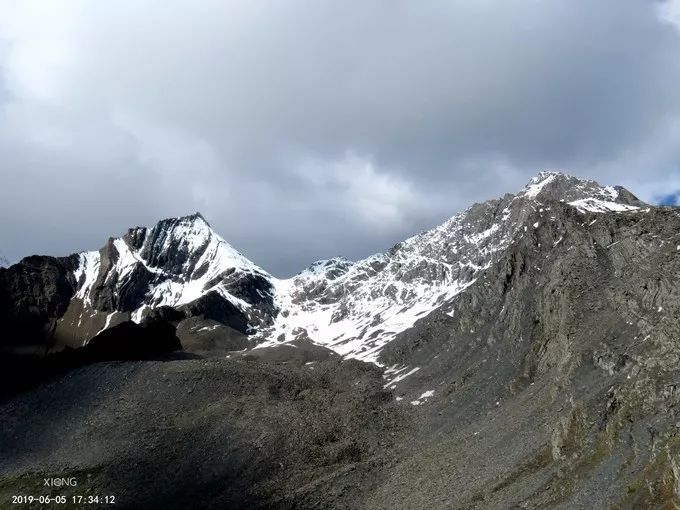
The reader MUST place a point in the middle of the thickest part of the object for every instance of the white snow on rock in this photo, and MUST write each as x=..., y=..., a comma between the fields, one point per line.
x=397, y=375
x=172, y=288
x=422, y=398
x=592, y=197
x=86, y=274
x=601, y=206
x=360, y=307
x=536, y=184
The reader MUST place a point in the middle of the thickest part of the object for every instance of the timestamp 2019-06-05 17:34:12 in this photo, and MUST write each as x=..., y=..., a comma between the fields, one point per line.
x=62, y=500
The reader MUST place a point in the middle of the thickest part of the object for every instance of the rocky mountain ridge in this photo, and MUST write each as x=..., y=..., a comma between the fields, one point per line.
x=357, y=308
x=353, y=308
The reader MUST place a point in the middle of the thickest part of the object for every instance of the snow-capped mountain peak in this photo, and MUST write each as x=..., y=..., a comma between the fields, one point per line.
x=188, y=247
x=184, y=249
x=179, y=262
x=584, y=194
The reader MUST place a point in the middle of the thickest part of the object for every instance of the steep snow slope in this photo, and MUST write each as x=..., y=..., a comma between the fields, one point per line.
x=357, y=308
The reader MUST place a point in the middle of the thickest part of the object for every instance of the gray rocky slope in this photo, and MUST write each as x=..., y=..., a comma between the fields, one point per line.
x=524, y=354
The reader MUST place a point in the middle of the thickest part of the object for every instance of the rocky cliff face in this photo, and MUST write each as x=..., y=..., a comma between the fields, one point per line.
x=523, y=354
x=34, y=295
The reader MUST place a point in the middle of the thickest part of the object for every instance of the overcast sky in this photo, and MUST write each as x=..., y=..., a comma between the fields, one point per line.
x=308, y=129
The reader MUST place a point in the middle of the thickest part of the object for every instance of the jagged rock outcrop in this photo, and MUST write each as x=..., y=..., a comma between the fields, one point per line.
x=34, y=295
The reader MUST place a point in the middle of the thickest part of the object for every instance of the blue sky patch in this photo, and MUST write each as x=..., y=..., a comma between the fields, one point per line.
x=670, y=199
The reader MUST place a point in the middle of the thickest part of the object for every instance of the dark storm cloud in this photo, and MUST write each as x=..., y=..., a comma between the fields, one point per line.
x=307, y=129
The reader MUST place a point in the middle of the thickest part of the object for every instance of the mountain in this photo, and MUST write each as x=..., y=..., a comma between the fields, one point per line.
x=357, y=308
x=48, y=303
x=523, y=354
x=354, y=308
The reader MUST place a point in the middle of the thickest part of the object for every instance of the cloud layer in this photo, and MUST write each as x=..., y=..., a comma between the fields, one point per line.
x=308, y=129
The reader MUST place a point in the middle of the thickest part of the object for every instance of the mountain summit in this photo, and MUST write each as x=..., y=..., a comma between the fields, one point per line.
x=586, y=195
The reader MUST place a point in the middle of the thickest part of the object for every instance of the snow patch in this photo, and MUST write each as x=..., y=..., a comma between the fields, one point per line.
x=209, y=328
x=595, y=205
x=422, y=398
x=537, y=184
x=401, y=377
x=86, y=274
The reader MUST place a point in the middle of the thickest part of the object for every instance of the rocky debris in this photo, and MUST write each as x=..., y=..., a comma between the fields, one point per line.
x=154, y=338
x=210, y=338
x=299, y=351
x=212, y=433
